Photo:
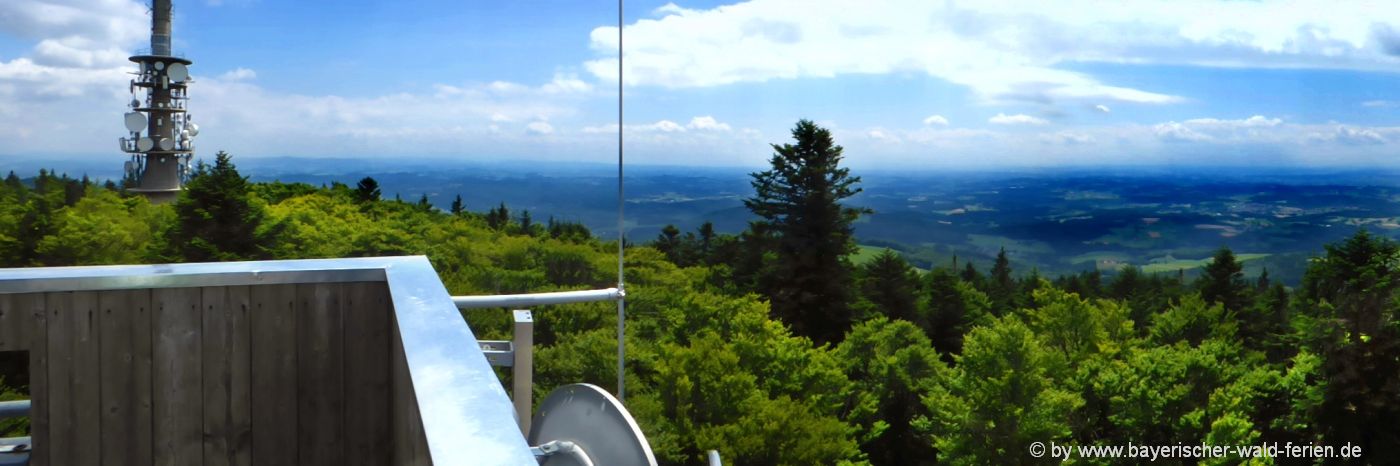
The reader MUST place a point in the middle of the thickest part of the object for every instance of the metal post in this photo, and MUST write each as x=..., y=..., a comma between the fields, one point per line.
x=523, y=374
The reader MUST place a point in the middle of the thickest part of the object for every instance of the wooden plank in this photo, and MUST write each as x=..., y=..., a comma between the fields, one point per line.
x=14, y=324
x=74, y=374
x=178, y=399
x=35, y=305
x=125, y=329
x=225, y=372
x=410, y=442
x=367, y=422
x=240, y=426
x=320, y=363
x=274, y=375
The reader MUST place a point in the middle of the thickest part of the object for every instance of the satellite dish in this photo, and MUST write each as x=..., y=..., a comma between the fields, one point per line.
x=160, y=65
x=145, y=144
x=166, y=144
x=135, y=103
x=135, y=122
x=178, y=72
x=193, y=129
x=582, y=419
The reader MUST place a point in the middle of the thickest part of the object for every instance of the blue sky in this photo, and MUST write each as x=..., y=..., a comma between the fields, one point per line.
x=902, y=83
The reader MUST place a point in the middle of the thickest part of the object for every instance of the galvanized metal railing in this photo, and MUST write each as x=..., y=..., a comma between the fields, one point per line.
x=14, y=450
x=518, y=353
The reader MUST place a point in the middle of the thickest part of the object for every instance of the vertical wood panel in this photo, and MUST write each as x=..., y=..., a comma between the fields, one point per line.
x=35, y=305
x=125, y=329
x=274, y=375
x=225, y=370
x=367, y=421
x=74, y=375
x=23, y=327
x=320, y=360
x=176, y=377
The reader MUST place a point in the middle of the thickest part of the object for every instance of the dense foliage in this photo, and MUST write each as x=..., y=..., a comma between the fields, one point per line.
x=939, y=366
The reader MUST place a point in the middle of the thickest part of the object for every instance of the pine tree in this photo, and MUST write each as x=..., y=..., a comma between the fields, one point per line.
x=799, y=202
x=891, y=286
x=424, y=204
x=367, y=190
x=1223, y=282
x=1002, y=288
x=527, y=225
x=457, y=207
x=216, y=220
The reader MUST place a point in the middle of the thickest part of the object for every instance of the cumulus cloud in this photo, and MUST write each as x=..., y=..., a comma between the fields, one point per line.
x=1350, y=135
x=1177, y=132
x=1018, y=119
x=935, y=120
x=1066, y=138
x=1102, y=108
x=239, y=74
x=1380, y=104
x=539, y=127
x=1003, y=50
x=707, y=123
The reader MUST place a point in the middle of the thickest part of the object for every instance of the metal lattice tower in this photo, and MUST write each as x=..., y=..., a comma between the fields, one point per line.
x=161, y=140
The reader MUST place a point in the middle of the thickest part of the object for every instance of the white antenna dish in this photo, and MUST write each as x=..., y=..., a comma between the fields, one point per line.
x=166, y=144
x=193, y=129
x=160, y=65
x=178, y=72
x=145, y=144
x=135, y=122
x=583, y=420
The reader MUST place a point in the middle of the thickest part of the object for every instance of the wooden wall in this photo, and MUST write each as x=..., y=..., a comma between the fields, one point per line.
x=298, y=374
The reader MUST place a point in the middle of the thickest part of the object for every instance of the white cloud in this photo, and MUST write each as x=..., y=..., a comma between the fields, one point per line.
x=1004, y=50
x=239, y=74
x=563, y=84
x=882, y=135
x=707, y=123
x=935, y=120
x=1255, y=121
x=669, y=9
x=1102, y=108
x=1177, y=132
x=500, y=118
x=1066, y=138
x=539, y=127
x=1018, y=119
x=1349, y=135
x=1380, y=104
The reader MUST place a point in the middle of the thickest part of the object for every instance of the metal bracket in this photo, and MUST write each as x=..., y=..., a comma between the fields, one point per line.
x=499, y=353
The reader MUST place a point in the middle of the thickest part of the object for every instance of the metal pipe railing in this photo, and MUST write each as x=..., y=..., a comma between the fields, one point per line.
x=524, y=301
x=13, y=409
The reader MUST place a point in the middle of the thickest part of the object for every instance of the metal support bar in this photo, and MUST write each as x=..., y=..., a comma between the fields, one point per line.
x=714, y=458
x=523, y=375
x=498, y=353
x=13, y=409
x=536, y=299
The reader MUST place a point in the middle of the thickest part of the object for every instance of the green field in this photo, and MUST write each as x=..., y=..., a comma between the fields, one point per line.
x=1189, y=264
x=864, y=254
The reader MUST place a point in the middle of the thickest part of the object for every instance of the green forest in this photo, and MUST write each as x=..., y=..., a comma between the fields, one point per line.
x=772, y=347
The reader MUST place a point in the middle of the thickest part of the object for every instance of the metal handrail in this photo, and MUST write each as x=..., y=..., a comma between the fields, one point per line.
x=529, y=300
x=13, y=409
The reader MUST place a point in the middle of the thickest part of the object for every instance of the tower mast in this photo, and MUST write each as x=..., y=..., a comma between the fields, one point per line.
x=161, y=140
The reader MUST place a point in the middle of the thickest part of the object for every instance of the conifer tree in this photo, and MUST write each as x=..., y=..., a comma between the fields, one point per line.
x=799, y=202
x=367, y=190
x=457, y=207
x=890, y=285
x=216, y=220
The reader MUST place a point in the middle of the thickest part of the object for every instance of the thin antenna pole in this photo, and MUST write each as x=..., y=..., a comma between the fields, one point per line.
x=621, y=238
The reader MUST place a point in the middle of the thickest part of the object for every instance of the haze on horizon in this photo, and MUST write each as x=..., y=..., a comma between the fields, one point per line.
x=902, y=83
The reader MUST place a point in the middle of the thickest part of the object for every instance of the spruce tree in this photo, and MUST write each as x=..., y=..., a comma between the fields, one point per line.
x=216, y=220
x=457, y=207
x=799, y=202
x=367, y=190
x=891, y=286
x=1223, y=282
